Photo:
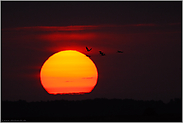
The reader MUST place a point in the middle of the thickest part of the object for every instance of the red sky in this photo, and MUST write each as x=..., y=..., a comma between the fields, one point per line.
x=149, y=68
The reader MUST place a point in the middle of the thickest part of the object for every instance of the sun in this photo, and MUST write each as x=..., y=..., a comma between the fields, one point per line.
x=68, y=72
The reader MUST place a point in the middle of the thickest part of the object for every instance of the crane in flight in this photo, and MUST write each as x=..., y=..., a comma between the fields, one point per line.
x=88, y=49
x=88, y=55
x=120, y=51
x=101, y=53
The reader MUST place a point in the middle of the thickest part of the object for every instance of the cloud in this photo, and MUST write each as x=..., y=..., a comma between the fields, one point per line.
x=61, y=36
x=74, y=27
x=87, y=78
x=75, y=31
x=56, y=38
x=55, y=28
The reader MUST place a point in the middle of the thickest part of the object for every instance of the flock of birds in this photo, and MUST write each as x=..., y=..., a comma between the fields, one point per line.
x=101, y=53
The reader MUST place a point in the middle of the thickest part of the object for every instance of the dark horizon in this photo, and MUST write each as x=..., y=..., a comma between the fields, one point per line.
x=20, y=100
x=99, y=109
x=79, y=97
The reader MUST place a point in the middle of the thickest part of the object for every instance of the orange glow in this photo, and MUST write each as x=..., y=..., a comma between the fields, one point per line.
x=68, y=72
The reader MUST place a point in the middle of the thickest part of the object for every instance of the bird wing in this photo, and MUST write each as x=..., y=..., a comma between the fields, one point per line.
x=120, y=51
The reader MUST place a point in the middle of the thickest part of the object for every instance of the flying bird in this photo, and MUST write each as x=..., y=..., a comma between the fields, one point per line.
x=120, y=51
x=101, y=53
x=88, y=55
x=88, y=49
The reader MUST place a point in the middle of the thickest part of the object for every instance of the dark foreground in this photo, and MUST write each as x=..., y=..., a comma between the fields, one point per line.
x=113, y=110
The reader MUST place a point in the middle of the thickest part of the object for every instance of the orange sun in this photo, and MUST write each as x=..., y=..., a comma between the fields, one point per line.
x=68, y=72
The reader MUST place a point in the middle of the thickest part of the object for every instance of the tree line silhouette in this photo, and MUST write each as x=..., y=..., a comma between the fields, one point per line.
x=99, y=109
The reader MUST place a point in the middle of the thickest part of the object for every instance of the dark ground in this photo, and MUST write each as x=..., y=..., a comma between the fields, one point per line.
x=104, y=110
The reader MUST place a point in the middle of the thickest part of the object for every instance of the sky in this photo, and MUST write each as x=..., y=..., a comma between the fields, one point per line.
x=149, y=34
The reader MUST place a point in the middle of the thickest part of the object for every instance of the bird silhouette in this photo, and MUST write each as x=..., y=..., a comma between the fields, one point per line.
x=88, y=49
x=120, y=51
x=88, y=55
x=101, y=53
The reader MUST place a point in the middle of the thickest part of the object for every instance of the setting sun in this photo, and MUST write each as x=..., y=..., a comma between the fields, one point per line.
x=68, y=72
